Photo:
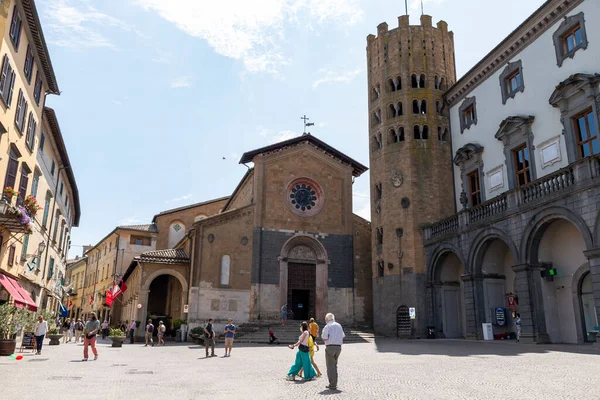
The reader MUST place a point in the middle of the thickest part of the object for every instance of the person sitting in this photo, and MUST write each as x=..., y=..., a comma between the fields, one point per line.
x=272, y=337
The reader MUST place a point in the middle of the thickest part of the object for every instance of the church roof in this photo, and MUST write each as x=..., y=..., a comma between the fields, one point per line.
x=188, y=207
x=142, y=228
x=357, y=168
x=167, y=256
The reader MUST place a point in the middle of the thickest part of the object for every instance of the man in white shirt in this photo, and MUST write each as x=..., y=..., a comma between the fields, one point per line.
x=333, y=336
x=40, y=329
x=132, y=331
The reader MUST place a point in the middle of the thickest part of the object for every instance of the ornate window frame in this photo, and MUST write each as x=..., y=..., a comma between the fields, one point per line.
x=572, y=96
x=468, y=158
x=563, y=28
x=514, y=132
x=511, y=68
x=468, y=102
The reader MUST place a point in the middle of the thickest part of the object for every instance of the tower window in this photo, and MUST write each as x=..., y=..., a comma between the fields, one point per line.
x=416, y=108
x=442, y=84
x=414, y=81
x=423, y=106
x=378, y=191
x=416, y=132
x=375, y=93
x=391, y=85
x=399, y=135
x=380, y=268
x=398, y=82
x=379, y=236
x=377, y=142
x=438, y=108
x=425, y=133
x=399, y=111
x=442, y=134
x=437, y=83
x=392, y=111
x=422, y=81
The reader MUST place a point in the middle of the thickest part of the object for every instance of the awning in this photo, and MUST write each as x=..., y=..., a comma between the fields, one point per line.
x=20, y=296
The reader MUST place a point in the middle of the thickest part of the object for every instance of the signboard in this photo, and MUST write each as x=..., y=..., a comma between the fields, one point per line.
x=300, y=305
x=139, y=305
x=511, y=302
x=412, y=312
x=186, y=308
x=500, y=316
x=28, y=341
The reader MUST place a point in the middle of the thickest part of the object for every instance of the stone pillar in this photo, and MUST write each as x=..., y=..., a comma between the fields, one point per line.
x=321, y=287
x=530, y=304
x=594, y=259
x=140, y=313
x=470, y=299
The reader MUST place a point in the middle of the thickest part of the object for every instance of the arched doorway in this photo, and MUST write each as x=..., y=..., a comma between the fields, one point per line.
x=165, y=300
x=560, y=243
x=303, y=277
x=449, y=294
x=494, y=262
x=588, y=308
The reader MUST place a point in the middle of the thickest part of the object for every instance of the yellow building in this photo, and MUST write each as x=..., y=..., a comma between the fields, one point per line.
x=34, y=162
x=75, y=279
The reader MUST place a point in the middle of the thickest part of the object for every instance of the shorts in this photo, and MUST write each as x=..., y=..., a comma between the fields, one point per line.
x=161, y=334
x=228, y=341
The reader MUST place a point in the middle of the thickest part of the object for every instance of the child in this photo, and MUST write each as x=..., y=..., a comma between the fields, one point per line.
x=518, y=326
x=272, y=337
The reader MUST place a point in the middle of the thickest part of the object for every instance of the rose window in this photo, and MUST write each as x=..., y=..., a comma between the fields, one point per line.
x=304, y=197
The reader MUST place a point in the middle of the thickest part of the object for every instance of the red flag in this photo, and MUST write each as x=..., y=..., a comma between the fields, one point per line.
x=119, y=288
x=70, y=304
x=91, y=299
x=109, y=298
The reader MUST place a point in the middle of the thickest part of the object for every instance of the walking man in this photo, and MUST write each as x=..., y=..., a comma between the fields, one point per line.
x=89, y=336
x=132, y=331
x=333, y=336
x=78, y=330
x=104, y=328
x=149, y=332
x=229, y=335
x=209, y=337
x=41, y=327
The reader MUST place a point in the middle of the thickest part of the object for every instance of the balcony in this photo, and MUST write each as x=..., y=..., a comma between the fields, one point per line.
x=14, y=217
x=578, y=176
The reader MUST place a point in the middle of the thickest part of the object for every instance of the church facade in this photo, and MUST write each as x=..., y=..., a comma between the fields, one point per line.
x=286, y=235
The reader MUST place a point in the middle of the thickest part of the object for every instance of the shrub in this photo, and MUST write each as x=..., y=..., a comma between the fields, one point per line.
x=53, y=331
x=116, y=332
x=177, y=323
x=197, y=330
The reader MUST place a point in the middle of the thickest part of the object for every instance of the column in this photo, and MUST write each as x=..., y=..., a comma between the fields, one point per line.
x=594, y=259
x=470, y=307
x=140, y=313
x=530, y=304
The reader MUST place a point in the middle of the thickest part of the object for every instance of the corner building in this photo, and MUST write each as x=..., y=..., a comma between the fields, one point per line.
x=409, y=68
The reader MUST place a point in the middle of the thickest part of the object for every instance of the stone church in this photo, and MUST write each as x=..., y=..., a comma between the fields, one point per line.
x=286, y=235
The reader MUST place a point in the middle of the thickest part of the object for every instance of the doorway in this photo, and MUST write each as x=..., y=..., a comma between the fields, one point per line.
x=451, y=312
x=300, y=303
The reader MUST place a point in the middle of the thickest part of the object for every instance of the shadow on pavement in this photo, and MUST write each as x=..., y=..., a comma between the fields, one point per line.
x=466, y=348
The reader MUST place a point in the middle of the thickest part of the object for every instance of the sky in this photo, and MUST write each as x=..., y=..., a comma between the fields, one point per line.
x=159, y=99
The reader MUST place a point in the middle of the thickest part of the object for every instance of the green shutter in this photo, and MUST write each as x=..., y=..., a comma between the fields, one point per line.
x=25, y=244
x=51, y=268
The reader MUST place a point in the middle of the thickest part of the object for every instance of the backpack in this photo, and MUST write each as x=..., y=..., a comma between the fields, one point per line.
x=150, y=328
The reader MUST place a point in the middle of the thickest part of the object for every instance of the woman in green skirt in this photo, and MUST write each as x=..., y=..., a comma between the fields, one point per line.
x=302, y=356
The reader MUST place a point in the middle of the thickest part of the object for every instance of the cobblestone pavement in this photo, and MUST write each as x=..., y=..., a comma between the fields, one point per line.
x=384, y=369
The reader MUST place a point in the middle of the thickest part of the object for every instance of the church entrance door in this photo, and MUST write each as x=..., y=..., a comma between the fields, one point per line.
x=302, y=290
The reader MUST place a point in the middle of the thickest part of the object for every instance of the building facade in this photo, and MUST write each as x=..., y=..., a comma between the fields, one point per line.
x=409, y=68
x=35, y=166
x=75, y=280
x=525, y=235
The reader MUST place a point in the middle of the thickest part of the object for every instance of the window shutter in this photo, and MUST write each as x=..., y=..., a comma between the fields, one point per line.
x=23, y=113
x=24, y=182
x=51, y=268
x=11, y=172
x=5, y=77
x=19, y=108
x=34, y=185
x=24, y=248
x=42, y=141
x=46, y=211
x=11, y=87
x=11, y=255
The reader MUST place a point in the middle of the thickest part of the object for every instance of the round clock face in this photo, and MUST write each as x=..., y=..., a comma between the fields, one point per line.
x=304, y=197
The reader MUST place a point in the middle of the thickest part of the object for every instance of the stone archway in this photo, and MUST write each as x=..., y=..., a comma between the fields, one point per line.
x=304, y=252
x=147, y=282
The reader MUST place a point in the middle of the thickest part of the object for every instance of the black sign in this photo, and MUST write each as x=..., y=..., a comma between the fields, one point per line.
x=28, y=340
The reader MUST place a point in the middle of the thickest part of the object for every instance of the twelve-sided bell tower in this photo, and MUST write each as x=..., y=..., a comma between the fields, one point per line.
x=409, y=68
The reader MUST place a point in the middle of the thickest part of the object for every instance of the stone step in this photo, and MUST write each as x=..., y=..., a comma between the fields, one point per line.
x=288, y=334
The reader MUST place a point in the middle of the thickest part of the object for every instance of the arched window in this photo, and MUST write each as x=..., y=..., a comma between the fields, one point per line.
x=375, y=93
x=376, y=117
x=425, y=133
x=423, y=106
x=392, y=111
x=392, y=136
x=437, y=82
x=225, y=268
x=176, y=233
x=398, y=82
x=399, y=109
x=400, y=135
x=391, y=85
x=438, y=108
x=422, y=81
x=414, y=81
x=199, y=217
x=415, y=106
x=416, y=132
x=442, y=84
x=440, y=133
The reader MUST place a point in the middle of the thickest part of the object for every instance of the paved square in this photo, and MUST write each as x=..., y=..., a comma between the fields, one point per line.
x=384, y=369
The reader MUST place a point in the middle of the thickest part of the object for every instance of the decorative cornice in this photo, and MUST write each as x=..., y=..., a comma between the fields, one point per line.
x=220, y=219
x=539, y=22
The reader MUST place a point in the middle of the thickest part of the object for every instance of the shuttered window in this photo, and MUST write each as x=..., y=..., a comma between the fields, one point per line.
x=7, y=81
x=46, y=211
x=34, y=185
x=24, y=181
x=31, y=128
x=15, y=28
x=28, y=69
x=37, y=91
x=11, y=171
x=42, y=142
x=24, y=248
x=11, y=255
x=21, y=112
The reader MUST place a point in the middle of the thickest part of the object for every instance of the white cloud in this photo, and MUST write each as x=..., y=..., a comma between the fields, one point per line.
x=251, y=31
x=181, y=82
x=133, y=221
x=330, y=76
x=276, y=137
x=180, y=198
x=78, y=26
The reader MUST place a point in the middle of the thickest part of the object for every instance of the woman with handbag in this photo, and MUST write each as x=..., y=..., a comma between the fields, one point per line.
x=302, y=356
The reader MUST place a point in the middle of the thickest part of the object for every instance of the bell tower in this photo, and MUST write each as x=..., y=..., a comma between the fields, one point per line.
x=409, y=68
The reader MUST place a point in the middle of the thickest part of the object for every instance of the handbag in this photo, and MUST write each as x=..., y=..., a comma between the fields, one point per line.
x=303, y=348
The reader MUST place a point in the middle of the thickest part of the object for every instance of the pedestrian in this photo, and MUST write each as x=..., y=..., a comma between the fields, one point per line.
x=272, y=337
x=104, y=328
x=518, y=326
x=229, y=335
x=333, y=336
x=283, y=314
x=161, y=333
x=89, y=336
x=302, y=356
x=149, y=332
x=78, y=330
x=40, y=329
x=132, y=331
x=209, y=337
x=311, y=352
x=123, y=326
x=71, y=330
x=66, y=325
x=313, y=328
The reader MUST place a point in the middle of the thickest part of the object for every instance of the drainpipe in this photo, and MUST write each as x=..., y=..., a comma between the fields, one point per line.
x=192, y=258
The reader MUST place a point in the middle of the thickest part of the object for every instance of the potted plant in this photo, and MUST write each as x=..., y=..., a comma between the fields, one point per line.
x=54, y=336
x=31, y=205
x=9, y=192
x=176, y=325
x=117, y=336
x=12, y=319
x=197, y=334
